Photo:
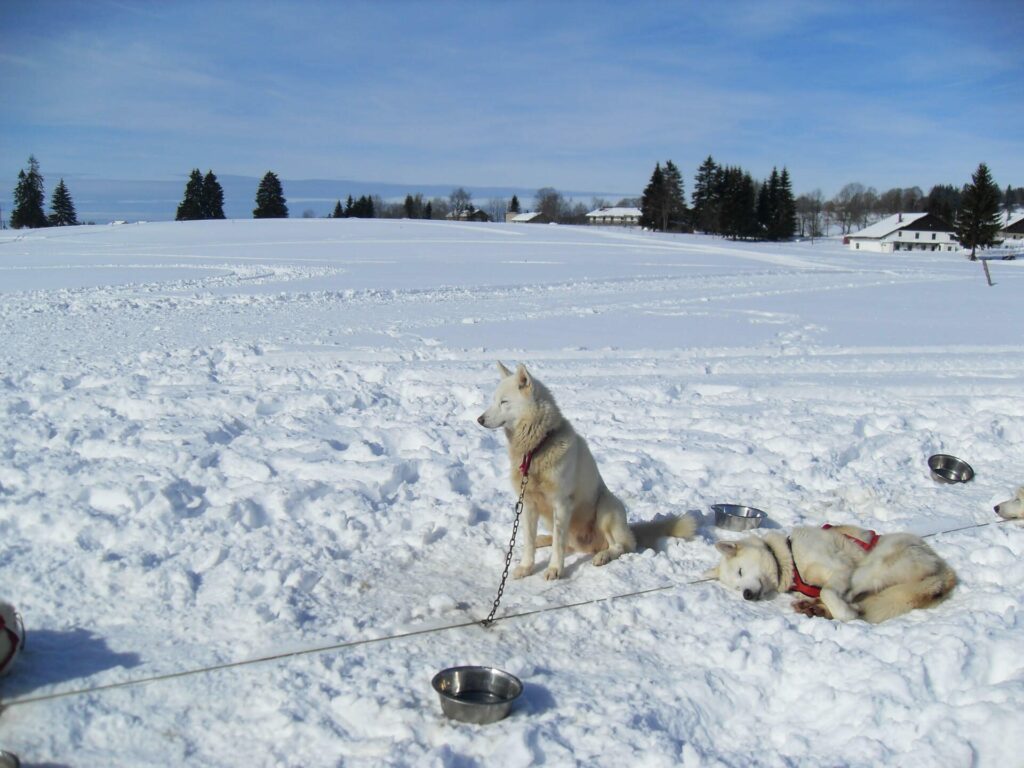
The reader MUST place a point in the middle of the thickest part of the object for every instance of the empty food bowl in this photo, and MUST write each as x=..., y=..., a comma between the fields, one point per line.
x=737, y=517
x=949, y=469
x=476, y=694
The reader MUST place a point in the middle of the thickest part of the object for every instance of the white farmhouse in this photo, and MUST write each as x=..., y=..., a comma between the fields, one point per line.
x=1012, y=231
x=905, y=232
x=621, y=217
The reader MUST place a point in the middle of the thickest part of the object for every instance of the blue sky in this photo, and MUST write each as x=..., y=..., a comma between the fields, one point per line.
x=575, y=95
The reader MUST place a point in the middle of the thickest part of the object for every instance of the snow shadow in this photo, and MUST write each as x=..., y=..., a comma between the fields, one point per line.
x=535, y=700
x=51, y=657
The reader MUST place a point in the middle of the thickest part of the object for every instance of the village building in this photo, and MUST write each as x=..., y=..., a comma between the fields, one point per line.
x=471, y=214
x=614, y=217
x=1013, y=232
x=905, y=232
x=536, y=217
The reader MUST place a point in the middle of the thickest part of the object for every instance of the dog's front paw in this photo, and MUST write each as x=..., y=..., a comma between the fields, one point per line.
x=602, y=558
x=522, y=570
x=553, y=573
x=812, y=608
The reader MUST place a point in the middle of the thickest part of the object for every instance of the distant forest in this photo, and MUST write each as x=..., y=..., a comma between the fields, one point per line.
x=726, y=200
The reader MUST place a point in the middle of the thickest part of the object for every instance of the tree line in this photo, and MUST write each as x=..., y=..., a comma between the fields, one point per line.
x=855, y=206
x=725, y=201
x=29, y=197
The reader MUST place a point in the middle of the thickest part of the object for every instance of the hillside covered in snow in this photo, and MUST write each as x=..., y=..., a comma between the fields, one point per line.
x=231, y=440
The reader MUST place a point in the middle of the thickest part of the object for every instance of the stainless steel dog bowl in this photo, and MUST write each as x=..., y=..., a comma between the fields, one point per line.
x=736, y=517
x=476, y=694
x=949, y=469
x=9, y=759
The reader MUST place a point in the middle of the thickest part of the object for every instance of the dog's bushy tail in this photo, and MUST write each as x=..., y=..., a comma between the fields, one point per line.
x=898, y=599
x=674, y=526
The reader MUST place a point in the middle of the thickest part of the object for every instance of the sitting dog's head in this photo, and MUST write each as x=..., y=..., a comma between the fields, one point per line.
x=512, y=398
x=1014, y=508
x=747, y=566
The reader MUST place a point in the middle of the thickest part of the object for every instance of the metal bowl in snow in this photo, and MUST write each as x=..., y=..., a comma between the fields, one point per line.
x=478, y=695
x=949, y=469
x=9, y=759
x=737, y=517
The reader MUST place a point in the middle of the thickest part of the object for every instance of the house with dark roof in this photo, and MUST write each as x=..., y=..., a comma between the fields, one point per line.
x=905, y=232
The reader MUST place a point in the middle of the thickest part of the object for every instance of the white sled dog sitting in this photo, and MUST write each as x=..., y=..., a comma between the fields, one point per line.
x=1014, y=508
x=564, y=486
x=845, y=572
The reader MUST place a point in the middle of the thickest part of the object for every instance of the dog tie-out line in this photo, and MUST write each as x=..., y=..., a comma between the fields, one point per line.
x=383, y=639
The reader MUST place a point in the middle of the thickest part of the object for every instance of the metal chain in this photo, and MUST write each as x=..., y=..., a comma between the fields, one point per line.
x=508, y=555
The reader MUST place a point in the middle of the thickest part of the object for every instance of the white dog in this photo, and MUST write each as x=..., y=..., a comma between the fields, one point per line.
x=1014, y=508
x=564, y=486
x=846, y=572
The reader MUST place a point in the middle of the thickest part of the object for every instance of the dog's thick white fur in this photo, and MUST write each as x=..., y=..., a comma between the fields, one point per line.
x=899, y=574
x=1013, y=509
x=565, y=487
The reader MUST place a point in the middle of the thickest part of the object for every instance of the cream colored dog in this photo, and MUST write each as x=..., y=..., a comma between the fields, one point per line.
x=1012, y=509
x=860, y=575
x=564, y=486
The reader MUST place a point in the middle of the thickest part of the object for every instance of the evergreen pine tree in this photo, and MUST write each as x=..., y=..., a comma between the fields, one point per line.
x=774, y=205
x=270, y=200
x=428, y=210
x=785, y=226
x=978, y=220
x=410, y=207
x=704, y=201
x=1008, y=199
x=349, y=206
x=513, y=206
x=676, y=213
x=29, y=198
x=738, y=204
x=191, y=206
x=764, y=208
x=653, y=201
x=339, y=213
x=63, y=208
x=212, y=200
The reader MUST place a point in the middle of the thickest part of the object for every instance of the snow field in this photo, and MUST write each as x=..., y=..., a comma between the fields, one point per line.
x=207, y=469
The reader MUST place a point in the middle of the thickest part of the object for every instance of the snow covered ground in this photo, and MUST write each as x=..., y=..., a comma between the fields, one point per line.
x=226, y=440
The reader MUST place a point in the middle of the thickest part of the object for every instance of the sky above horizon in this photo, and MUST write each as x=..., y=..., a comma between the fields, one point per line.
x=574, y=95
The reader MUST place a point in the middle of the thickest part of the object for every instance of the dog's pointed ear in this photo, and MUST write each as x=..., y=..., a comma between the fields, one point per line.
x=710, y=573
x=505, y=372
x=523, y=376
x=727, y=548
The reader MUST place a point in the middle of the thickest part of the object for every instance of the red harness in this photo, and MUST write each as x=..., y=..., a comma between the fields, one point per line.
x=524, y=467
x=801, y=586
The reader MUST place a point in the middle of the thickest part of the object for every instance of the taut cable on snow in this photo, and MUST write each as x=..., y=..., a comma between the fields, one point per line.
x=387, y=638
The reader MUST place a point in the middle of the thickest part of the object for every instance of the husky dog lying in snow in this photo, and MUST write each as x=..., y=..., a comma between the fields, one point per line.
x=564, y=487
x=1014, y=508
x=845, y=572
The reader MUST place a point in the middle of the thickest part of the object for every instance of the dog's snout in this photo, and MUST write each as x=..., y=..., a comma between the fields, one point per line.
x=996, y=508
x=480, y=419
x=748, y=594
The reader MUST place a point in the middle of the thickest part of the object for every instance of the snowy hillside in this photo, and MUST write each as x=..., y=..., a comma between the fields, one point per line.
x=221, y=441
